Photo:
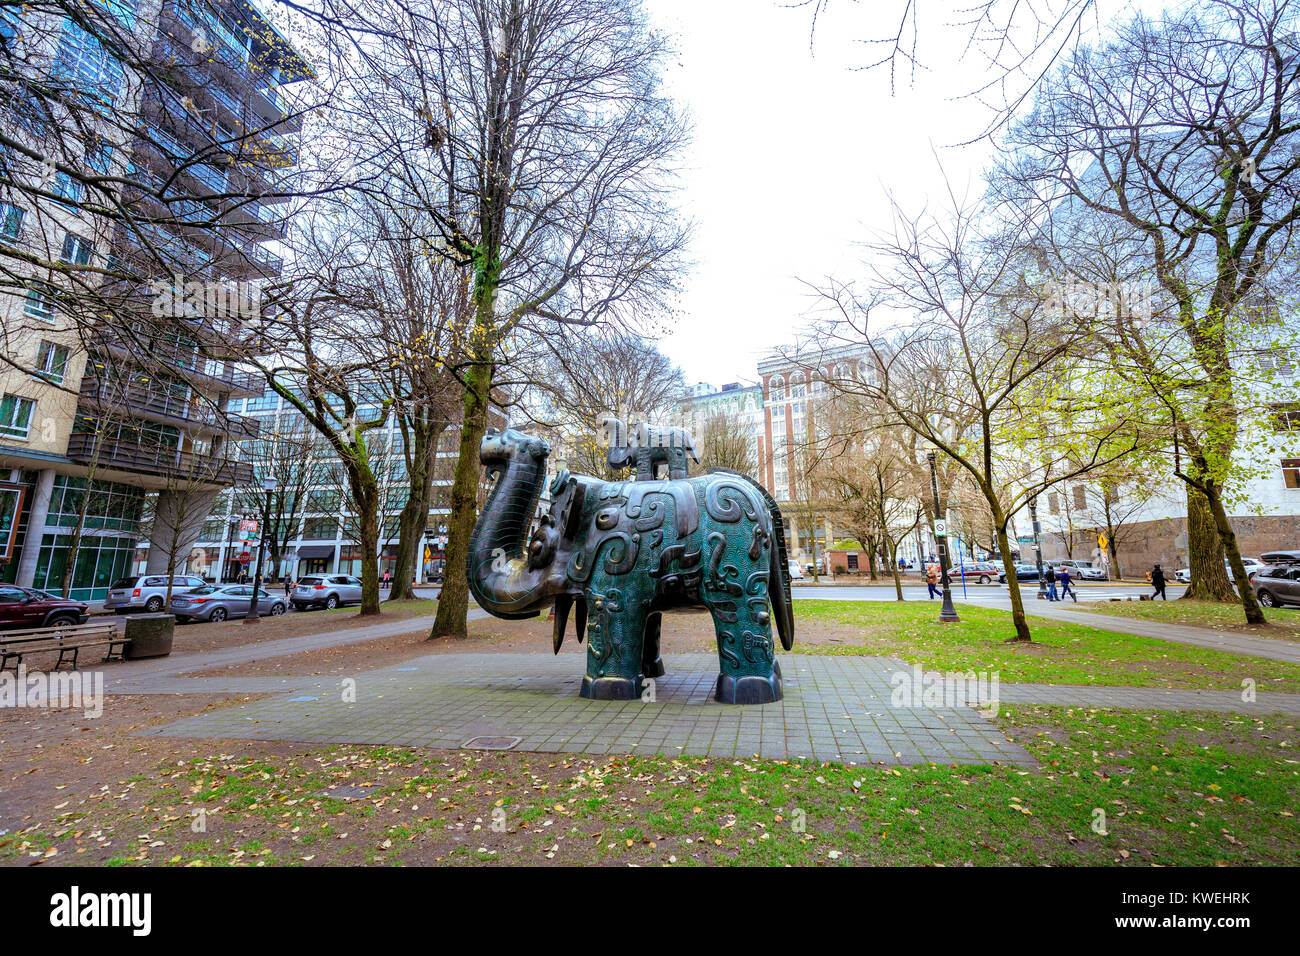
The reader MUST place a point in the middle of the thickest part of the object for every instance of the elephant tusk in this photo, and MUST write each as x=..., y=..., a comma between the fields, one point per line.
x=560, y=619
x=580, y=619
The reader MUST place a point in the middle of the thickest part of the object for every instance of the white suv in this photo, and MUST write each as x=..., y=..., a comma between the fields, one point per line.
x=146, y=592
x=326, y=590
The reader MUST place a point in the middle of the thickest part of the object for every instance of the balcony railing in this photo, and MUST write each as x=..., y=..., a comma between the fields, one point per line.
x=158, y=460
x=140, y=398
x=185, y=361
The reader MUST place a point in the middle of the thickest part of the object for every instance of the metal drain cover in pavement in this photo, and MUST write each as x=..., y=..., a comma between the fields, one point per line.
x=491, y=743
x=347, y=792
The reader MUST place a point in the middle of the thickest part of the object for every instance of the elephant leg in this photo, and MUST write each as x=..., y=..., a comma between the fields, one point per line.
x=749, y=673
x=614, y=645
x=652, y=665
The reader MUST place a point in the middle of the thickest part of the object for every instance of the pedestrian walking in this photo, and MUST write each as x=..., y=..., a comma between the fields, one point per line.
x=1050, y=577
x=1065, y=586
x=288, y=584
x=932, y=579
x=388, y=579
x=1158, y=582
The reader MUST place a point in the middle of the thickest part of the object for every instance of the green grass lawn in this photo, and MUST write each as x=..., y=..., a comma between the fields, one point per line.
x=1282, y=622
x=1125, y=788
x=1061, y=653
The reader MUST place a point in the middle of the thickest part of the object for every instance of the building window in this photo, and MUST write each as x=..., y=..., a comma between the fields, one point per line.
x=777, y=388
x=76, y=250
x=40, y=301
x=1286, y=418
x=321, y=529
x=83, y=60
x=11, y=221
x=1080, y=497
x=52, y=362
x=1291, y=472
x=16, y=415
x=1053, y=504
x=65, y=187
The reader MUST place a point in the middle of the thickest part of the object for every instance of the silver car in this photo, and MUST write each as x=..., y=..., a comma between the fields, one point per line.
x=1279, y=585
x=327, y=591
x=213, y=603
x=146, y=592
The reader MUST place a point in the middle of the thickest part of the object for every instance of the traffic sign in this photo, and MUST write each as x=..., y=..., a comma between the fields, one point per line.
x=1101, y=541
x=940, y=528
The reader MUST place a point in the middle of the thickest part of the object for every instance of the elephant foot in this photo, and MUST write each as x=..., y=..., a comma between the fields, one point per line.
x=610, y=688
x=750, y=689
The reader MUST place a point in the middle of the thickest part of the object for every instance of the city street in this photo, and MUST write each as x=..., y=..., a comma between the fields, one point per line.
x=989, y=595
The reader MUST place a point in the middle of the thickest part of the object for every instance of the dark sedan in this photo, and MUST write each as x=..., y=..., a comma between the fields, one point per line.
x=1024, y=572
x=28, y=607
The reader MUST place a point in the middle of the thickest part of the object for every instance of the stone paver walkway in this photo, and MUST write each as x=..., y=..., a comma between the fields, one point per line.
x=1278, y=649
x=1147, y=698
x=836, y=708
x=160, y=675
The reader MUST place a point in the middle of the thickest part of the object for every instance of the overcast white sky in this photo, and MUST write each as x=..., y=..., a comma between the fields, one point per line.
x=793, y=155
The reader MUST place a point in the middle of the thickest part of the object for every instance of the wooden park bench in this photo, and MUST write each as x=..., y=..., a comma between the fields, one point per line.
x=67, y=639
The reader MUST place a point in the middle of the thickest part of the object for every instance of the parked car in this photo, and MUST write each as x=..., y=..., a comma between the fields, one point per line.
x=1024, y=572
x=212, y=602
x=1253, y=567
x=979, y=571
x=1280, y=557
x=796, y=572
x=1083, y=570
x=28, y=607
x=327, y=591
x=146, y=592
x=1277, y=585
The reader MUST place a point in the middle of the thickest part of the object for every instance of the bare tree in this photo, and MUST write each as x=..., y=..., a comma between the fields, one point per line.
x=287, y=453
x=582, y=377
x=1178, y=142
x=727, y=439
x=980, y=369
x=542, y=147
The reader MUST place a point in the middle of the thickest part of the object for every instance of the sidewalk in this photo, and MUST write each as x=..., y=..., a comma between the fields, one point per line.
x=1277, y=649
x=161, y=675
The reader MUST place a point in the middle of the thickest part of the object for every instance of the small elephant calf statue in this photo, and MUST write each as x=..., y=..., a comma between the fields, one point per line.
x=620, y=553
x=646, y=446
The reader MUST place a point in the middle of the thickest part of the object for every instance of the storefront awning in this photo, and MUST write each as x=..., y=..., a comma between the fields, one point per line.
x=315, y=551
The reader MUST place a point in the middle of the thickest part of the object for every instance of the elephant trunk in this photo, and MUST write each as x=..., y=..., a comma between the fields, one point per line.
x=500, y=577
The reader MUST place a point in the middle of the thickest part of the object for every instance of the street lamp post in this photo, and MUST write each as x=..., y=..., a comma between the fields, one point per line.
x=1038, y=551
x=230, y=546
x=253, y=615
x=948, y=614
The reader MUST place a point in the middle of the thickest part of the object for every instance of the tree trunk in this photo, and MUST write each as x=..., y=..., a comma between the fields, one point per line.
x=415, y=513
x=893, y=564
x=1018, y=618
x=1205, y=551
x=1254, y=615
x=453, y=602
x=368, y=519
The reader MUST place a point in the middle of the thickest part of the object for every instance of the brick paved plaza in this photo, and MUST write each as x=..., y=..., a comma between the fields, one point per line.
x=836, y=708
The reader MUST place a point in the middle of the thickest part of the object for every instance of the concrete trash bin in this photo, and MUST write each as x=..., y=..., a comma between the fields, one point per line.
x=149, y=635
